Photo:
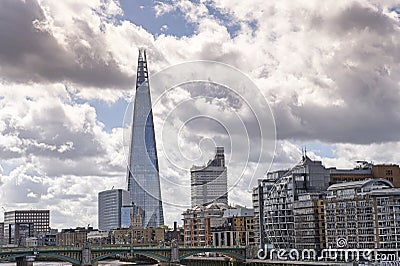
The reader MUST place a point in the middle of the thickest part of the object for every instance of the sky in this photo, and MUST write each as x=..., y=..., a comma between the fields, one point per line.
x=264, y=79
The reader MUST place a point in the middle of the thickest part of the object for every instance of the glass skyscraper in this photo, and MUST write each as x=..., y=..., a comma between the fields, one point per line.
x=143, y=173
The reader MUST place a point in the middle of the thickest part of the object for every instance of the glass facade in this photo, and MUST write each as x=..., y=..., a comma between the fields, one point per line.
x=143, y=173
x=110, y=204
x=126, y=213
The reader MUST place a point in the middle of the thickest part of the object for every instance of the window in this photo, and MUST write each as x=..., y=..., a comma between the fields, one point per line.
x=389, y=172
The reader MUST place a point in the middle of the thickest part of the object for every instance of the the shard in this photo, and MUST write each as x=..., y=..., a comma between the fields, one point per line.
x=143, y=173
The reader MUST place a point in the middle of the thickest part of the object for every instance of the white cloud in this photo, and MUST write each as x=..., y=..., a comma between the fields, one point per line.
x=162, y=8
x=330, y=71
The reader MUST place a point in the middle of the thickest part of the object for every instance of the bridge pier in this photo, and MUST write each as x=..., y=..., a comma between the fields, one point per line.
x=174, y=252
x=22, y=261
x=86, y=255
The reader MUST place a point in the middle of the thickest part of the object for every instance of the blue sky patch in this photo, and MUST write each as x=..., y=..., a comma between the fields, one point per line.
x=141, y=12
x=110, y=115
x=320, y=149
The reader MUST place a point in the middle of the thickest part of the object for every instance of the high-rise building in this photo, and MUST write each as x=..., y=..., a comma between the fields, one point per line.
x=143, y=172
x=22, y=224
x=209, y=182
x=110, y=203
x=260, y=194
x=278, y=202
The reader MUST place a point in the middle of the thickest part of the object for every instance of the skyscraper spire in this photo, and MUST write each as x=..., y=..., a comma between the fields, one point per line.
x=142, y=72
x=143, y=173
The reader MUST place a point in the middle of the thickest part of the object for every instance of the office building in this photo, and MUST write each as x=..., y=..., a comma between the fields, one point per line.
x=143, y=172
x=209, y=182
x=22, y=224
x=110, y=203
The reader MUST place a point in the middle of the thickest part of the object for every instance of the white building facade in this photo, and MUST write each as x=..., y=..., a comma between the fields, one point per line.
x=209, y=182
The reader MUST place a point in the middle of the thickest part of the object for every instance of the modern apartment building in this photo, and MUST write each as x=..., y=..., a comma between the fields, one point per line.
x=299, y=208
x=22, y=224
x=110, y=203
x=278, y=204
x=365, y=214
x=260, y=194
x=309, y=222
x=209, y=182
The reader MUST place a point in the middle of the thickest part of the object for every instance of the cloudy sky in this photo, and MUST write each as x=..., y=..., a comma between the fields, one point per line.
x=317, y=74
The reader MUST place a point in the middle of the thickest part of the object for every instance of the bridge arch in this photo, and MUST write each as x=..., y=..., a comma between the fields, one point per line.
x=105, y=256
x=61, y=257
x=12, y=257
x=154, y=256
x=149, y=254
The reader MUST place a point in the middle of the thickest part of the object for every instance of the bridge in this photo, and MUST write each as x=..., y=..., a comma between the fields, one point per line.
x=90, y=255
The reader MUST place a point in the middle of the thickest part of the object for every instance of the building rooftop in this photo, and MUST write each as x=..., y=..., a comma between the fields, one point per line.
x=360, y=184
x=239, y=212
x=355, y=171
x=217, y=161
x=210, y=206
x=385, y=192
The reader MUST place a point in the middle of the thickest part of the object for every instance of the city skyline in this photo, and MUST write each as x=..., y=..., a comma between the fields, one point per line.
x=329, y=71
